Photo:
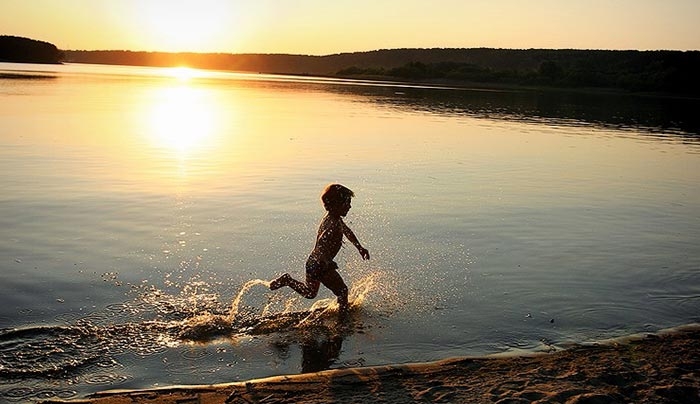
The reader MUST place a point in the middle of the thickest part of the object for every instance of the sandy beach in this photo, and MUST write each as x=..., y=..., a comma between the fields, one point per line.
x=649, y=368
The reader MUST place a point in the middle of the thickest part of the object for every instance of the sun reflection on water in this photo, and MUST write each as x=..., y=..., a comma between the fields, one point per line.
x=184, y=73
x=184, y=120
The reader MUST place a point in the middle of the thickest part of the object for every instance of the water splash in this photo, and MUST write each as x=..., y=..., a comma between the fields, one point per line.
x=356, y=296
x=233, y=312
x=207, y=325
x=278, y=314
x=362, y=288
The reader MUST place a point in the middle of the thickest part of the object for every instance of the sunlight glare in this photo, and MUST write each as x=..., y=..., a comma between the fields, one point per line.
x=178, y=25
x=183, y=120
x=184, y=73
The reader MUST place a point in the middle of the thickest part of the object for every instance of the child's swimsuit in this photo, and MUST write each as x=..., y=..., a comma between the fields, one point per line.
x=315, y=269
x=325, y=273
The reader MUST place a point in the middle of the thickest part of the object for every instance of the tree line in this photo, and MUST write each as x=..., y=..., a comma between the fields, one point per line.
x=637, y=71
x=24, y=50
x=660, y=71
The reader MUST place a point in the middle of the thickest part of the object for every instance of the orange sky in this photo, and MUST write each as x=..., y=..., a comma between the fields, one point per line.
x=323, y=27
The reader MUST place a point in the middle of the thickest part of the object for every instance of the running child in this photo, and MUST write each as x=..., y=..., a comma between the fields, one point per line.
x=320, y=267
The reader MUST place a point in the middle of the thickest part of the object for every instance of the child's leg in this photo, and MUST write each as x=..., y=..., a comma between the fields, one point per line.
x=333, y=281
x=309, y=289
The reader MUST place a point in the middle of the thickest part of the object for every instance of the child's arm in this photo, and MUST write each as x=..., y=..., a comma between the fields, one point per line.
x=353, y=239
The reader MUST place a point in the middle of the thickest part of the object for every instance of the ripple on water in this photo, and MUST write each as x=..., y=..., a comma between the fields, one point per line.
x=195, y=353
x=66, y=318
x=22, y=394
x=59, y=351
x=47, y=351
x=94, y=318
x=106, y=379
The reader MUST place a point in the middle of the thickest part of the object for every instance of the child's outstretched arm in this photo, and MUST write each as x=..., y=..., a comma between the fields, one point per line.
x=353, y=239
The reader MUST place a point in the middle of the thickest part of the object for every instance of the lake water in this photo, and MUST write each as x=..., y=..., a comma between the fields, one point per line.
x=135, y=200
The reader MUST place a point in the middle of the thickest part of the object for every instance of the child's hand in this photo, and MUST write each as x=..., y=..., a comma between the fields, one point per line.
x=363, y=252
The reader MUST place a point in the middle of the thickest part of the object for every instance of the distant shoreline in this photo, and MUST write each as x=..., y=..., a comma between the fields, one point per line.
x=446, y=83
x=457, y=84
x=639, y=72
x=660, y=72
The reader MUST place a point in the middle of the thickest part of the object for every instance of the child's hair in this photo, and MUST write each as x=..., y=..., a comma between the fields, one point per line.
x=335, y=194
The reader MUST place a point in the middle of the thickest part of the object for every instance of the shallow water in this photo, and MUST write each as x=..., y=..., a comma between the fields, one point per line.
x=137, y=202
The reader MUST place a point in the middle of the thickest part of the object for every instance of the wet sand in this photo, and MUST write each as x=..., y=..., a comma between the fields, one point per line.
x=660, y=368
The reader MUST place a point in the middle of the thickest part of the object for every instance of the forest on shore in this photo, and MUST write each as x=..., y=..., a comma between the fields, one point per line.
x=15, y=49
x=661, y=71
x=636, y=71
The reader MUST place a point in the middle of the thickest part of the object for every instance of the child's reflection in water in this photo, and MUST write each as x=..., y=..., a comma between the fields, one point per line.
x=319, y=352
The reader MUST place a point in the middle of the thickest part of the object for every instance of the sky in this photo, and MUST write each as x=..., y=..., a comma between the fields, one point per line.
x=321, y=27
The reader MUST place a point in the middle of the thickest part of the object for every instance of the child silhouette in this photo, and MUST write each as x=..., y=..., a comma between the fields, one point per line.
x=320, y=267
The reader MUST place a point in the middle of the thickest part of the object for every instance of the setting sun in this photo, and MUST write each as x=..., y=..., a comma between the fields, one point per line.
x=185, y=24
x=184, y=73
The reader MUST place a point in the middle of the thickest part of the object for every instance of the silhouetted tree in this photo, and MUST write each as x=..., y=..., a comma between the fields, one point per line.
x=25, y=50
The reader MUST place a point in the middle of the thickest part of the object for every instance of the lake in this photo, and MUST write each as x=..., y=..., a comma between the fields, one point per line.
x=138, y=202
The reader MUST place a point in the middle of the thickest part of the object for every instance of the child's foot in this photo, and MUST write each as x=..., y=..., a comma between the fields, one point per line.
x=279, y=282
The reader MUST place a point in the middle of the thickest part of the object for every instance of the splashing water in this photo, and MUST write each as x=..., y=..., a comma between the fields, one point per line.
x=359, y=291
x=237, y=300
x=357, y=295
x=206, y=326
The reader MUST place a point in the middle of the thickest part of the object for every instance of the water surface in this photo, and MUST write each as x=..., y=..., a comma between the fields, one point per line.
x=135, y=200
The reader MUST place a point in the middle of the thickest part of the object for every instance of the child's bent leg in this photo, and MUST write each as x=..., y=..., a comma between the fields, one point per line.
x=333, y=281
x=308, y=289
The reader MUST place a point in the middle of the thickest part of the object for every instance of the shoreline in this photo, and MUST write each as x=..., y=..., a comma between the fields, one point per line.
x=435, y=83
x=662, y=367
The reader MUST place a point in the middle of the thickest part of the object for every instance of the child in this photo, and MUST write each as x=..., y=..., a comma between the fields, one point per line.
x=320, y=267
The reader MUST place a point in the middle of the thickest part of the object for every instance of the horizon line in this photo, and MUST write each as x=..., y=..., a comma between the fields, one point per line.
x=378, y=50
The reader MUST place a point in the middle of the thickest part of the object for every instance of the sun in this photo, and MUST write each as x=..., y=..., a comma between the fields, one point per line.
x=183, y=73
x=185, y=25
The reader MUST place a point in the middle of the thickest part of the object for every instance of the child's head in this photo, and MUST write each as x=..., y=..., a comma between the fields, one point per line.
x=335, y=195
